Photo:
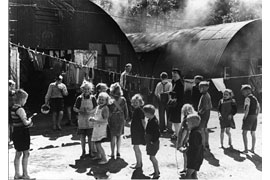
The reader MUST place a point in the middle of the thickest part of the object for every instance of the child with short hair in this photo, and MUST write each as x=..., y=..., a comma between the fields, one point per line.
x=100, y=120
x=252, y=109
x=20, y=134
x=204, y=108
x=182, y=137
x=227, y=108
x=152, y=134
x=85, y=106
x=194, y=150
x=137, y=128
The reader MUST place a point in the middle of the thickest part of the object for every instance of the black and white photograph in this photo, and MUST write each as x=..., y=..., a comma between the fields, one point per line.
x=133, y=89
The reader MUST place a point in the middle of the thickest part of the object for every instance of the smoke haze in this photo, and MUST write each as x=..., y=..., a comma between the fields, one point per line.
x=195, y=13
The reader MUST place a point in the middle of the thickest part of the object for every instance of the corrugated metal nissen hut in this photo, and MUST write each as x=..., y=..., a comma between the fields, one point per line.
x=58, y=28
x=225, y=50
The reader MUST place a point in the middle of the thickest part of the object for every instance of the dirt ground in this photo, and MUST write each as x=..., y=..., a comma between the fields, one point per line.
x=56, y=155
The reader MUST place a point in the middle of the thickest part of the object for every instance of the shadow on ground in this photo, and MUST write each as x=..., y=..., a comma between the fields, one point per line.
x=43, y=126
x=233, y=153
x=256, y=159
x=208, y=156
x=96, y=170
x=138, y=174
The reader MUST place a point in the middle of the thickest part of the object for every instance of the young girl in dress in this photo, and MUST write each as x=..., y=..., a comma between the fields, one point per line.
x=194, y=149
x=118, y=116
x=100, y=120
x=20, y=134
x=182, y=137
x=137, y=128
x=85, y=107
x=227, y=108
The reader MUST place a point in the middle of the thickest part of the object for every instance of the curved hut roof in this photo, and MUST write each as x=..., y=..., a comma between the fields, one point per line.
x=203, y=46
x=68, y=24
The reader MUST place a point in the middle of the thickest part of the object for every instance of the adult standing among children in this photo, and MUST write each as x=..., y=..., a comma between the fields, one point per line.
x=125, y=85
x=195, y=93
x=251, y=111
x=162, y=93
x=176, y=100
x=55, y=97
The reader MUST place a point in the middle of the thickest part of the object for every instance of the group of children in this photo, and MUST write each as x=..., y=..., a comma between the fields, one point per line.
x=107, y=117
x=104, y=115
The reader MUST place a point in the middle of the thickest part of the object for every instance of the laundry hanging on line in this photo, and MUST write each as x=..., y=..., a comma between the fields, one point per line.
x=219, y=84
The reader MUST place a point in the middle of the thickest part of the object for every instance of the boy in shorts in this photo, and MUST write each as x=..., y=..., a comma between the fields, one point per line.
x=252, y=109
x=204, y=108
x=152, y=134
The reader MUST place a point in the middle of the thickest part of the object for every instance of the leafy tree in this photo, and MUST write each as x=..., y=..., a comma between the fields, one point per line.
x=227, y=11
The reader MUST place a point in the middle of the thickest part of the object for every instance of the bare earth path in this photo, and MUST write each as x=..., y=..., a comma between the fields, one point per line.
x=56, y=155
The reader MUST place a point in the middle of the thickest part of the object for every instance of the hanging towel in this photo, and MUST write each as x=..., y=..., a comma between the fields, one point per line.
x=51, y=53
x=40, y=60
x=219, y=83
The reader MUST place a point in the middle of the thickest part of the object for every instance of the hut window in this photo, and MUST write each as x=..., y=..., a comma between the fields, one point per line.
x=49, y=16
x=227, y=72
x=112, y=49
x=96, y=46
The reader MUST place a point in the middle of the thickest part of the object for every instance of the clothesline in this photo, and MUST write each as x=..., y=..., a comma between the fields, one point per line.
x=237, y=77
x=66, y=61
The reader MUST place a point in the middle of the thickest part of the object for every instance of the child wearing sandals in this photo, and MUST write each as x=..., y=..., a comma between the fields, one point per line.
x=182, y=137
x=100, y=120
x=85, y=106
x=227, y=108
x=194, y=150
x=137, y=128
x=20, y=134
x=152, y=134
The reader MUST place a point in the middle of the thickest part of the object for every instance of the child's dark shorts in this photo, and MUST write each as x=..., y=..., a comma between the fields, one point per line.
x=85, y=132
x=152, y=149
x=21, y=138
x=250, y=123
x=57, y=104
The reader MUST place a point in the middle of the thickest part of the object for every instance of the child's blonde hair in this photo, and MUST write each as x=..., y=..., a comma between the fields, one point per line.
x=20, y=95
x=114, y=87
x=187, y=109
x=104, y=95
x=100, y=86
x=137, y=97
x=87, y=84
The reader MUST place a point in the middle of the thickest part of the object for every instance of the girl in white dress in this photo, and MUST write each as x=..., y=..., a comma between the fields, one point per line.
x=100, y=120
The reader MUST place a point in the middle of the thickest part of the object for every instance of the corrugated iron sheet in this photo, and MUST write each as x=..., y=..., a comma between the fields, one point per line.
x=198, y=44
x=145, y=42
